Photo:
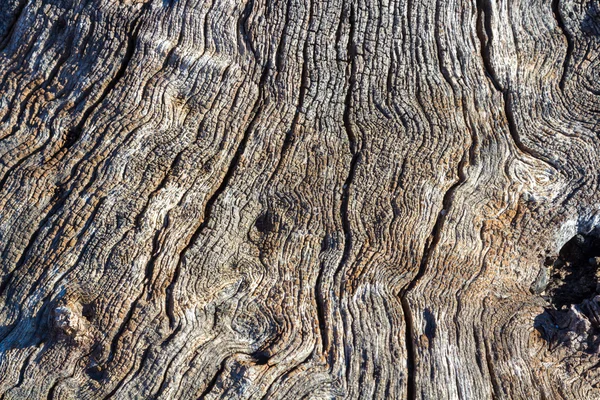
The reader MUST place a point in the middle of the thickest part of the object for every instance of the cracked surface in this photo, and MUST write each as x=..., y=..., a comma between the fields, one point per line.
x=295, y=199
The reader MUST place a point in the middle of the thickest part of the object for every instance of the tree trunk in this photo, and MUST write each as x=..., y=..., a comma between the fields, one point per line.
x=293, y=199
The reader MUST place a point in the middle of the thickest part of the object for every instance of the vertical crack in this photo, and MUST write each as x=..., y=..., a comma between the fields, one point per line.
x=484, y=34
x=411, y=393
x=352, y=143
x=321, y=311
x=429, y=247
x=435, y=235
x=355, y=152
x=155, y=252
x=304, y=83
x=570, y=45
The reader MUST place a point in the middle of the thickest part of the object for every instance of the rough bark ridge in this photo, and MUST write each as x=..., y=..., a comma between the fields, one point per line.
x=299, y=199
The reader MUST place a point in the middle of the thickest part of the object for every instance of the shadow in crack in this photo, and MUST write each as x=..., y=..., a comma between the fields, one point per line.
x=574, y=274
x=569, y=283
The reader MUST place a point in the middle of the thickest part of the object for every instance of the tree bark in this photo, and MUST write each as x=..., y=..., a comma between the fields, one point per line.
x=295, y=199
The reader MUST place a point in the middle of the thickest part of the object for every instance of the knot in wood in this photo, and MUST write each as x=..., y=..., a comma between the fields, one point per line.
x=67, y=322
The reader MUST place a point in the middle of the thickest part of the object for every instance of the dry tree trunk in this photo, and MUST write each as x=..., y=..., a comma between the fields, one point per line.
x=299, y=199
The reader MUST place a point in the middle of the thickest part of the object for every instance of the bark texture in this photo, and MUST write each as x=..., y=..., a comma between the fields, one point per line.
x=293, y=199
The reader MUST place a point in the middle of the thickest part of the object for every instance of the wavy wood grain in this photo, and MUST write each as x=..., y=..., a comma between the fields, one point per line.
x=296, y=199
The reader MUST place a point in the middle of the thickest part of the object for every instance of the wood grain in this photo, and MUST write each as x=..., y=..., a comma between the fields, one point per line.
x=295, y=199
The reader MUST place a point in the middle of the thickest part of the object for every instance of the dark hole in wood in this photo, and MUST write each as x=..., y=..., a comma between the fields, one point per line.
x=569, y=283
x=95, y=372
x=266, y=222
x=430, y=324
x=573, y=276
x=260, y=357
x=88, y=312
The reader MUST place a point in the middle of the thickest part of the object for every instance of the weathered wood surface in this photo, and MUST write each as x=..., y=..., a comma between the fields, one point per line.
x=297, y=199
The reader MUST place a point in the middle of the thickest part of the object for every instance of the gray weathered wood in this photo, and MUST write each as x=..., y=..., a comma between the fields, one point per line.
x=297, y=199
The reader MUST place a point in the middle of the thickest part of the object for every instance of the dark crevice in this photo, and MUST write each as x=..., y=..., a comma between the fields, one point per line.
x=285, y=374
x=213, y=382
x=338, y=32
x=243, y=27
x=438, y=46
x=478, y=349
x=356, y=156
x=75, y=133
x=352, y=144
x=411, y=384
x=304, y=82
x=430, y=324
x=574, y=275
x=83, y=49
x=261, y=357
x=155, y=252
x=321, y=310
x=163, y=382
x=122, y=328
x=570, y=284
x=484, y=33
x=159, y=187
x=429, y=247
x=435, y=235
x=206, y=26
x=570, y=45
x=119, y=384
x=170, y=296
x=171, y=336
x=144, y=359
x=290, y=136
x=149, y=271
x=233, y=167
x=52, y=390
x=279, y=58
x=514, y=132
